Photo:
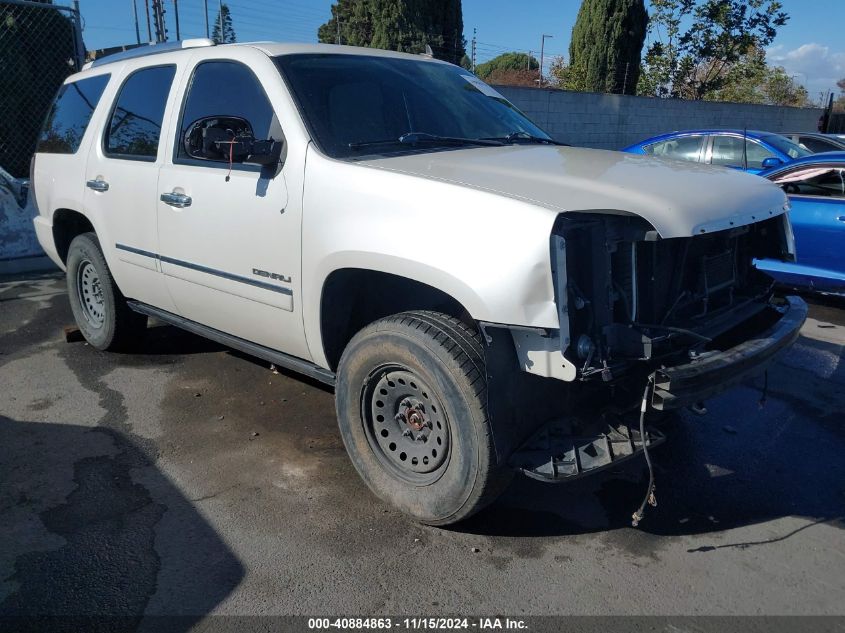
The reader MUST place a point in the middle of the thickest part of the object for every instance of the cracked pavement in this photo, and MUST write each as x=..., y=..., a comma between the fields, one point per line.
x=188, y=479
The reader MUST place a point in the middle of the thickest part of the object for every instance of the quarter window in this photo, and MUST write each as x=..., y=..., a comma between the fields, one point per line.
x=69, y=116
x=227, y=89
x=682, y=148
x=134, y=130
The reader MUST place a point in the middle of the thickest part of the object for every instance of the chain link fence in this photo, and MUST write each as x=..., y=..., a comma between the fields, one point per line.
x=40, y=45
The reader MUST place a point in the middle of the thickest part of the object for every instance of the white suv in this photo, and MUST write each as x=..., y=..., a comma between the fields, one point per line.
x=483, y=299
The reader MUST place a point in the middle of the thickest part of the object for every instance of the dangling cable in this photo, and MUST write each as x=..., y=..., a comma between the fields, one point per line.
x=649, y=498
x=231, y=157
x=764, y=396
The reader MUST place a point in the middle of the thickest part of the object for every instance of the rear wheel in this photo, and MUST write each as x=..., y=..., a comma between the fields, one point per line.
x=99, y=308
x=411, y=403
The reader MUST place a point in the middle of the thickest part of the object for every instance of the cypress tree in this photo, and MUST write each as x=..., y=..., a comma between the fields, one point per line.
x=607, y=40
x=399, y=25
x=224, y=32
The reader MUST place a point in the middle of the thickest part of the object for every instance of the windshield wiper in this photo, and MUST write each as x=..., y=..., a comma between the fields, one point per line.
x=519, y=135
x=416, y=138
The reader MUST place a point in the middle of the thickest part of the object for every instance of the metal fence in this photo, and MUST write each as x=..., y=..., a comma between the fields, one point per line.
x=40, y=45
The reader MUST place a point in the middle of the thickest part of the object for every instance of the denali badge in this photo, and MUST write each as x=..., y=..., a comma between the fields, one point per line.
x=264, y=273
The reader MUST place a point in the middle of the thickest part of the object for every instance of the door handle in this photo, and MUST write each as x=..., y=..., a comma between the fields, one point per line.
x=97, y=185
x=178, y=200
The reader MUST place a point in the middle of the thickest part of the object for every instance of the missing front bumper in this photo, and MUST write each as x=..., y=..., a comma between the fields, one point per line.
x=712, y=373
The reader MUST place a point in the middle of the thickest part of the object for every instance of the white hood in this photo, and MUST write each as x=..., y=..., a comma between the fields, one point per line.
x=677, y=198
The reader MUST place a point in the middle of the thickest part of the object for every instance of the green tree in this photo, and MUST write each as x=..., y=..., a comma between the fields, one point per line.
x=557, y=72
x=37, y=53
x=224, y=32
x=607, y=40
x=697, y=62
x=399, y=25
x=508, y=62
x=752, y=80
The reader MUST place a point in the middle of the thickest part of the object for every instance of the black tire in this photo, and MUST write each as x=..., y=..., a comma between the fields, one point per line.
x=440, y=361
x=99, y=308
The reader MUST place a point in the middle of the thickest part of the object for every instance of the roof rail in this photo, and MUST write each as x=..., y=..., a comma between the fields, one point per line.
x=152, y=49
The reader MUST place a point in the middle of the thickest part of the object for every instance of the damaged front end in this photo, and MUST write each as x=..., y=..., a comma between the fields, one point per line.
x=631, y=303
x=683, y=317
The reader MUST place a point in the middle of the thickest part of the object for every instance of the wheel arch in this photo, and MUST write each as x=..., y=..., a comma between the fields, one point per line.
x=352, y=298
x=67, y=224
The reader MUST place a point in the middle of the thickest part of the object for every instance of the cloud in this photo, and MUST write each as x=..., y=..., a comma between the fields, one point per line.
x=815, y=65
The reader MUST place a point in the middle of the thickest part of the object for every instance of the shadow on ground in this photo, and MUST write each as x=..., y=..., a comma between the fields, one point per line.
x=738, y=465
x=85, y=516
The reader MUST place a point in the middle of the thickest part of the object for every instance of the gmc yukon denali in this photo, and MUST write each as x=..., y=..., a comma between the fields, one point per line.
x=484, y=299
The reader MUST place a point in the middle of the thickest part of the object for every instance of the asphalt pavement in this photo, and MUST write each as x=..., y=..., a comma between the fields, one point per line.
x=190, y=479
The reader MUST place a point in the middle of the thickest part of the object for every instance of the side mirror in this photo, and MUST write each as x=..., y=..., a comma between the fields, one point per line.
x=772, y=161
x=209, y=138
x=222, y=138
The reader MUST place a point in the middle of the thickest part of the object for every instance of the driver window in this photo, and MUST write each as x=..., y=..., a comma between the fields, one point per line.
x=826, y=182
x=227, y=89
x=756, y=154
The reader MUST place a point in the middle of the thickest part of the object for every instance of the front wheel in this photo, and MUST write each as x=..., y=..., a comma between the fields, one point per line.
x=411, y=402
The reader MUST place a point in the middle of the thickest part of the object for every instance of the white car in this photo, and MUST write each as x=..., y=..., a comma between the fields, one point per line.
x=483, y=298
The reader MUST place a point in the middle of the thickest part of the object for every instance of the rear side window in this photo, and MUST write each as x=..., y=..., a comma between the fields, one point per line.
x=226, y=88
x=682, y=148
x=134, y=129
x=69, y=116
x=727, y=151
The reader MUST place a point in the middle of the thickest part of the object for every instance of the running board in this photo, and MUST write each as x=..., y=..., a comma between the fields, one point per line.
x=555, y=454
x=280, y=359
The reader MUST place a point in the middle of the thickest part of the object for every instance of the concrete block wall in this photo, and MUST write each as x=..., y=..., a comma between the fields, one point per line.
x=615, y=121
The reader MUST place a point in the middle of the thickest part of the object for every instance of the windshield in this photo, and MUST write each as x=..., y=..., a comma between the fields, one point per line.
x=358, y=105
x=784, y=145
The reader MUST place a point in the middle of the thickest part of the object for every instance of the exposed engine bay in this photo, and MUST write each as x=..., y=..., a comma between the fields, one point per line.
x=629, y=298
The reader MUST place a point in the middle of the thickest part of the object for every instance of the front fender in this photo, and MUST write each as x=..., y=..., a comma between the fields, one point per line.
x=489, y=253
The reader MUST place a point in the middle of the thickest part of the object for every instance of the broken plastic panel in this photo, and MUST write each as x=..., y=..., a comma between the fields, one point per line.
x=557, y=452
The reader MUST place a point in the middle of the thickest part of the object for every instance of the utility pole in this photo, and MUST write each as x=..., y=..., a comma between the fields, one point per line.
x=137, y=28
x=474, y=33
x=207, y=31
x=624, y=81
x=542, y=53
x=149, y=30
x=337, y=19
x=158, y=20
x=528, y=62
x=176, y=13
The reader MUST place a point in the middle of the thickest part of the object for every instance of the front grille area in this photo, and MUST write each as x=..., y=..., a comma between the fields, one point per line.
x=639, y=297
x=684, y=280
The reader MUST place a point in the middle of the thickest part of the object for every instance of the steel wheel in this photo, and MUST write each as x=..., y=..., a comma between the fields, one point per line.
x=406, y=425
x=90, y=292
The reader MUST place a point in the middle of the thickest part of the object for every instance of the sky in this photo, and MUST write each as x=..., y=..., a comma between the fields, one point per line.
x=811, y=46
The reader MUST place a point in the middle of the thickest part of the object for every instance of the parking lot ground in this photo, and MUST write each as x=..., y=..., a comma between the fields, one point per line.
x=190, y=479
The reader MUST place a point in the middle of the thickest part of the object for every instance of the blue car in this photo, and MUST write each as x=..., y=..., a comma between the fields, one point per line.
x=816, y=189
x=763, y=150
